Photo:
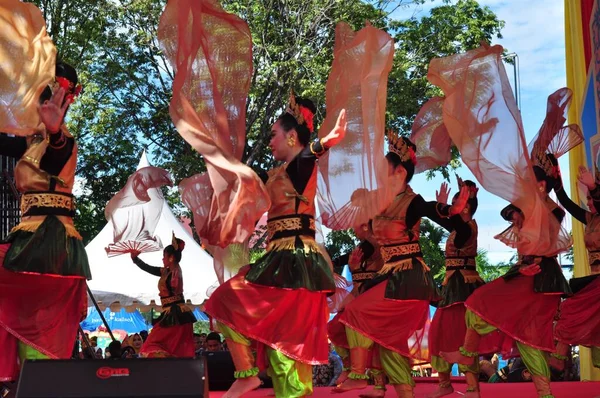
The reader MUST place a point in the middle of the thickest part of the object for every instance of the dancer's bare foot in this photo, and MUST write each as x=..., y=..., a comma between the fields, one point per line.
x=242, y=386
x=440, y=392
x=472, y=394
x=350, y=384
x=374, y=393
x=342, y=377
x=457, y=357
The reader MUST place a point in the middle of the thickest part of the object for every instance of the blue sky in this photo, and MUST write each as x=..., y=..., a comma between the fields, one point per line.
x=534, y=30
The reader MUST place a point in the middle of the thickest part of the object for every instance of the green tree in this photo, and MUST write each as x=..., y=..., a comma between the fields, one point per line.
x=431, y=240
x=127, y=81
x=489, y=271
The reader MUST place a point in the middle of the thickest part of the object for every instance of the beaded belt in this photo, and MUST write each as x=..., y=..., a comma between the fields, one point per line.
x=467, y=263
x=289, y=226
x=399, y=251
x=363, y=276
x=47, y=203
x=177, y=299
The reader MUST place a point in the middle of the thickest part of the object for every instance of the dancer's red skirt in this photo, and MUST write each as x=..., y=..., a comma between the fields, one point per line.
x=337, y=332
x=448, y=329
x=579, y=321
x=173, y=341
x=515, y=309
x=41, y=311
x=292, y=321
x=398, y=325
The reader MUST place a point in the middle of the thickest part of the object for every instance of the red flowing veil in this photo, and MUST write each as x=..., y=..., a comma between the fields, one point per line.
x=210, y=52
x=358, y=84
x=482, y=119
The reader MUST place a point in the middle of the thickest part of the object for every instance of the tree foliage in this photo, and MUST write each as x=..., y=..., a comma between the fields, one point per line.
x=127, y=81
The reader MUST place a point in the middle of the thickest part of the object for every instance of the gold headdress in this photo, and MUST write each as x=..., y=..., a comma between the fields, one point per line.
x=302, y=114
x=542, y=160
x=398, y=145
x=294, y=109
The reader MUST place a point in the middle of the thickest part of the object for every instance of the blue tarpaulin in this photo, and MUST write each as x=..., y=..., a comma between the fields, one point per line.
x=200, y=316
x=131, y=322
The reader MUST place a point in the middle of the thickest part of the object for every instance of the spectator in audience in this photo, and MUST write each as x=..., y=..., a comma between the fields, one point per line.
x=114, y=350
x=213, y=342
x=136, y=342
x=198, y=344
x=144, y=334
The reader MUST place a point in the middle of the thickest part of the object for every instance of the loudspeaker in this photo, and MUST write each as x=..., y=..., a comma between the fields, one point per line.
x=114, y=378
x=220, y=368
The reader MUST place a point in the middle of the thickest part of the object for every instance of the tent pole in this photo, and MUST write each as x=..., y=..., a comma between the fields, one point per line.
x=100, y=313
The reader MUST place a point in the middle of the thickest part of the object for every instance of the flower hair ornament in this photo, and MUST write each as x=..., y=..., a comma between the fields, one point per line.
x=302, y=114
x=398, y=145
x=69, y=87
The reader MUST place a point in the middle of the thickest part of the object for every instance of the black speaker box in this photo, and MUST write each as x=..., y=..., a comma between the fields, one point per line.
x=220, y=368
x=114, y=378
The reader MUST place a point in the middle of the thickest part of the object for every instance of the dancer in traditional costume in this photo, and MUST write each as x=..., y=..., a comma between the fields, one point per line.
x=531, y=290
x=579, y=316
x=173, y=332
x=405, y=285
x=481, y=115
x=44, y=265
x=448, y=326
x=264, y=300
x=364, y=262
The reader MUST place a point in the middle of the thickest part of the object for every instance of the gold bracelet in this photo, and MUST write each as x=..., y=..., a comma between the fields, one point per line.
x=315, y=152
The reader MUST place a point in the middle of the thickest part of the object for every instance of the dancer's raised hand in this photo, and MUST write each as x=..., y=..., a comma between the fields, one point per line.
x=586, y=178
x=461, y=201
x=443, y=194
x=52, y=112
x=338, y=133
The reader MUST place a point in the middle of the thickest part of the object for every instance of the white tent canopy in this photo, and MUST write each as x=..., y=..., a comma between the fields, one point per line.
x=118, y=282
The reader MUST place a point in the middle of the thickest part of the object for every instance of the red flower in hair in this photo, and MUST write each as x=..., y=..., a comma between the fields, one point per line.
x=64, y=83
x=413, y=156
x=308, y=118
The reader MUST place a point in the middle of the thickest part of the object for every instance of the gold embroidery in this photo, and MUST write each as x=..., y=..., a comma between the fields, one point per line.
x=363, y=276
x=170, y=300
x=51, y=200
x=296, y=195
x=459, y=262
x=287, y=224
x=594, y=256
x=387, y=252
x=403, y=249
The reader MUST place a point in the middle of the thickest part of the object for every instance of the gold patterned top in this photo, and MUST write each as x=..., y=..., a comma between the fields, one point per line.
x=470, y=247
x=592, y=241
x=284, y=196
x=30, y=177
x=389, y=227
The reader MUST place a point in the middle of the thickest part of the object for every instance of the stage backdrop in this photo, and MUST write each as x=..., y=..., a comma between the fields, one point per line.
x=582, y=35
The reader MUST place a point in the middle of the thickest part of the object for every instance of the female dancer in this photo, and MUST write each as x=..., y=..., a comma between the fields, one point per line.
x=43, y=263
x=579, y=320
x=448, y=326
x=405, y=285
x=265, y=300
x=173, y=332
x=365, y=262
x=530, y=292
